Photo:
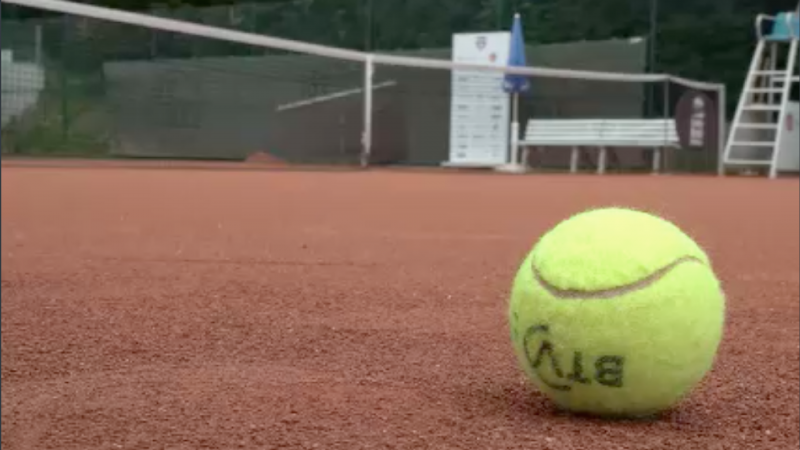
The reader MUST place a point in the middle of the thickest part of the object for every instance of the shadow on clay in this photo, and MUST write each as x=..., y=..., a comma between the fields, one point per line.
x=521, y=402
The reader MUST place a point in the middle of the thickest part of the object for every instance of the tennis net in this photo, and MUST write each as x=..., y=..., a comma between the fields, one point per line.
x=101, y=80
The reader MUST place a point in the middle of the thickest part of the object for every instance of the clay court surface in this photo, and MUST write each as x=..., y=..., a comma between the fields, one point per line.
x=254, y=309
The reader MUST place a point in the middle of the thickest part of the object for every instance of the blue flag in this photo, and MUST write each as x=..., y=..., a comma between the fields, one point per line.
x=516, y=58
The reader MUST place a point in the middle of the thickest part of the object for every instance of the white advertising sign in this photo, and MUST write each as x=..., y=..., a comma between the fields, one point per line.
x=479, y=108
x=789, y=147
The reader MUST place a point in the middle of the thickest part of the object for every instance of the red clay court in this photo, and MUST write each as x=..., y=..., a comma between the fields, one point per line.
x=178, y=308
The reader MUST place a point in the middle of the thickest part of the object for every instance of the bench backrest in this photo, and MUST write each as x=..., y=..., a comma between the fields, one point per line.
x=609, y=132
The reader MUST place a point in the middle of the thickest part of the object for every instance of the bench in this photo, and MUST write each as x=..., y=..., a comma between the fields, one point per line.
x=656, y=134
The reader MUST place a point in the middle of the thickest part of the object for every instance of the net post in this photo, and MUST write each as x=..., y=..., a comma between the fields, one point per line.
x=721, y=131
x=366, y=136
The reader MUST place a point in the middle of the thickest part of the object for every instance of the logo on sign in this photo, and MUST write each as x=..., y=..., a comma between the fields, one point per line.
x=697, y=123
x=493, y=57
x=480, y=42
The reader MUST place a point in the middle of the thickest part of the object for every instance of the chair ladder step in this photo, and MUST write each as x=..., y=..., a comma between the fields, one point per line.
x=769, y=72
x=765, y=90
x=758, y=126
x=748, y=162
x=752, y=144
x=762, y=107
x=782, y=79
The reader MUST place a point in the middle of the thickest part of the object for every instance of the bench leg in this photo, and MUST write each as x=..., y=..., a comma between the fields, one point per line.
x=573, y=160
x=601, y=161
x=656, y=160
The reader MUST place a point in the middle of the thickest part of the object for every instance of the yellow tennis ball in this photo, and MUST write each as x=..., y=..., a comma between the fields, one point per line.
x=616, y=312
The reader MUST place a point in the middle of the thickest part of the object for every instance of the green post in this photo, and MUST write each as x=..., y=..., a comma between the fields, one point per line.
x=367, y=10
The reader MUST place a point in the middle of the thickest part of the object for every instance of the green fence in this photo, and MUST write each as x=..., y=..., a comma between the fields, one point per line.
x=120, y=90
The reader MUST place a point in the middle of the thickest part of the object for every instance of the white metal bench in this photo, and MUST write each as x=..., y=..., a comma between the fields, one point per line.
x=656, y=134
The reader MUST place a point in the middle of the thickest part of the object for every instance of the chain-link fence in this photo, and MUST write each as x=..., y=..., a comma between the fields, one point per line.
x=92, y=87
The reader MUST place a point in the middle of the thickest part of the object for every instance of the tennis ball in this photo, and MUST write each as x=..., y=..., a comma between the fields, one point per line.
x=616, y=312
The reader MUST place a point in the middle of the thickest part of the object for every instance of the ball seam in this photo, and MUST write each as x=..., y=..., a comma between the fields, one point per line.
x=607, y=293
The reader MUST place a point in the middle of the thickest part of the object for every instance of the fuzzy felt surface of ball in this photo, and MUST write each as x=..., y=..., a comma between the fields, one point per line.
x=616, y=312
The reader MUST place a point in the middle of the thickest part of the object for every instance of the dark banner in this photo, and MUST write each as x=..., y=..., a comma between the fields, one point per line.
x=696, y=119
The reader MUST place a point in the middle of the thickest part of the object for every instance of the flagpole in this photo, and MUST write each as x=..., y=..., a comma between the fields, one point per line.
x=515, y=128
x=513, y=85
